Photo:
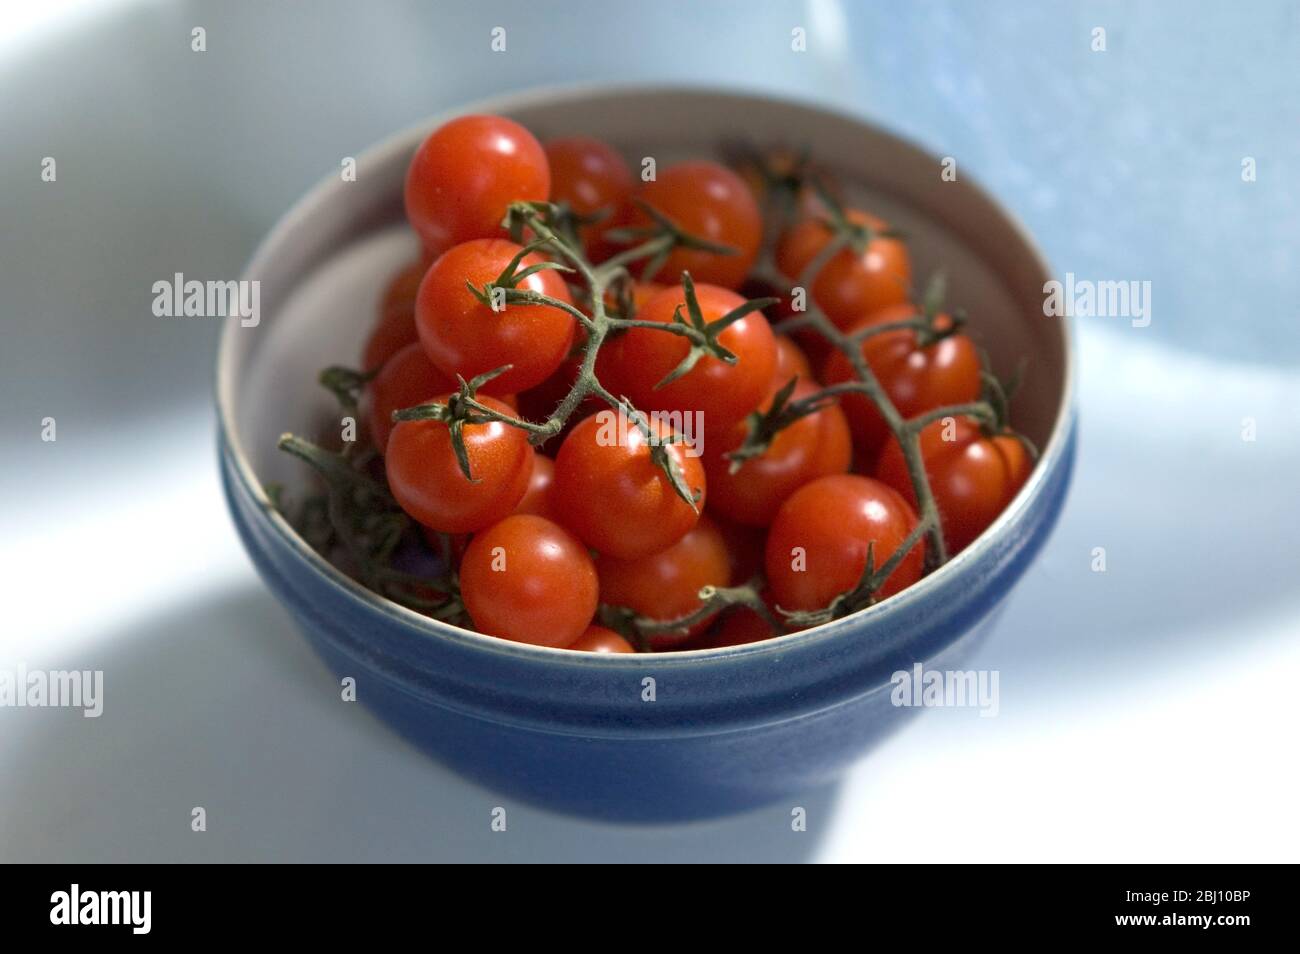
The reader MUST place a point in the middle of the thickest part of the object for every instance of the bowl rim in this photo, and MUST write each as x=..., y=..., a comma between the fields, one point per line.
x=1050, y=454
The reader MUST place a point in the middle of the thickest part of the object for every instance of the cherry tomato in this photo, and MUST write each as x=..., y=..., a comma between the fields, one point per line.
x=634, y=362
x=817, y=546
x=527, y=579
x=406, y=379
x=395, y=328
x=813, y=446
x=465, y=175
x=539, y=498
x=402, y=288
x=740, y=626
x=791, y=362
x=666, y=585
x=464, y=336
x=393, y=332
x=427, y=481
x=598, y=639
x=592, y=178
x=849, y=285
x=916, y=379
x=710, y=202
x=613, y=495
x=972, y=476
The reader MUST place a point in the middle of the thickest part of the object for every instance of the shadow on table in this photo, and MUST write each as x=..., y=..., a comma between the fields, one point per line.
x=220, y=704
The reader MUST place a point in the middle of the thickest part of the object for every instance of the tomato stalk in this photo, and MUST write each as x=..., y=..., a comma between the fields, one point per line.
x=370, y=526
x=864, y=594
x=936, y=553
x=713, y=600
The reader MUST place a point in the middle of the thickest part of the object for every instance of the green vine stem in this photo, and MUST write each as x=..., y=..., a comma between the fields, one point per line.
x=936, y=553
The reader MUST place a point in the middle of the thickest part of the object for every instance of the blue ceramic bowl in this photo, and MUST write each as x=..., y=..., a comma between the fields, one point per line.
x=642, y=737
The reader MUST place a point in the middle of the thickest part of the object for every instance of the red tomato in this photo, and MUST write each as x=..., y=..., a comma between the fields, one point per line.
x=738, y=627
x=464, y=336
x=406, y=379
x=612, y=494
x=849, y=285
x=539, y=498
x=666, y=585
x=591, y=177
x=402, y=287
x=527, y=579
x=395, y=328
x=791, y=362
x=916, y=379
x=393, y=332
x=710, y=202
x=598, y=639
x=465, y=175
x=972, y=476
x=813, y=446
x=633, y=363
x=817, y=546
x=427, y=481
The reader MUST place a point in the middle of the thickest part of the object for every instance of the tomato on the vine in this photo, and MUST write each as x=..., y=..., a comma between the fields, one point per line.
x=850, y=285
x=598, y=639
x=633, y=363
x=394, y=330
x=916, y=378
x=706, y=201
x=527, y=579
x=402, y=288
x=817, y=546
x=791, y=362
x=666, y=585
x=972, y=475
x=591, y=178
x=406, y=379
x=612, y=493
x=740, y=626
x=539, y=498
x=427, y=481
x=813, y=446
x=464, y=336
x=466, y=173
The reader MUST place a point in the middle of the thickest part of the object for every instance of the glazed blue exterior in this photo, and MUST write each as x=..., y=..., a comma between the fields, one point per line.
x=728, y=730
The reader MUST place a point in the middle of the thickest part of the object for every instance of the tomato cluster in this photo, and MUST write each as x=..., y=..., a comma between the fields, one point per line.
x=655, y=487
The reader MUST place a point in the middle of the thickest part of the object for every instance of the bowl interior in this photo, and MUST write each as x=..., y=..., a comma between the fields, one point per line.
x=323, y=268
